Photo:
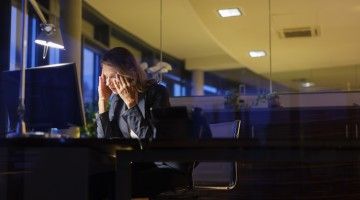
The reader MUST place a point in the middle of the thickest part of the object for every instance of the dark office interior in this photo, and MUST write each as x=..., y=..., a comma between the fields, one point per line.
x=179, y=99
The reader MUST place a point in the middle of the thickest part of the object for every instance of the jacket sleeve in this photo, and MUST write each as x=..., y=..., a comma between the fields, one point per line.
x=105, y=128
x=157, y=97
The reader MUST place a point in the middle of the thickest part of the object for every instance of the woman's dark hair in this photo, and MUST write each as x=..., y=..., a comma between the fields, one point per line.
x=119, y=57
x=124, y=61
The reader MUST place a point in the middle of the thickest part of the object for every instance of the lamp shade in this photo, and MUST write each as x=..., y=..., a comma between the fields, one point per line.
x=50, y=37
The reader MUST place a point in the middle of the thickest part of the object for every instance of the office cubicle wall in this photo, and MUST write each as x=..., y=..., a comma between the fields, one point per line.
x=286, y=100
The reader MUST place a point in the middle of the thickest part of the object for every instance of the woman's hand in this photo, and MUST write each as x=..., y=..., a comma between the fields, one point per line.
x=104, y=94
x=126, y=90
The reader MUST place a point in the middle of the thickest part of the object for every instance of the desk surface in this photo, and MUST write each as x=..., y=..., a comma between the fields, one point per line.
x=283, y=154
x=107, y=146
x=116, y=144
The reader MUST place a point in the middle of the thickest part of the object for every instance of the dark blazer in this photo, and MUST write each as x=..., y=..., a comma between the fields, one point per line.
x=137, y=117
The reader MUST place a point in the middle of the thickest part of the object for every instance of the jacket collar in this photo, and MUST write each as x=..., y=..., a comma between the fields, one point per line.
x=141, y=103
x=115, y=100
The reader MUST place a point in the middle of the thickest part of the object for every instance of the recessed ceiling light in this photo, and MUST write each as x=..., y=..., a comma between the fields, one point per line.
x=257, y=54
x=307, y=84
x=230, y=12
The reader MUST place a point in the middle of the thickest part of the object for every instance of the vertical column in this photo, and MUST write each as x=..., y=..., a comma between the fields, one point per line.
x=70, y=25
x=198, y=83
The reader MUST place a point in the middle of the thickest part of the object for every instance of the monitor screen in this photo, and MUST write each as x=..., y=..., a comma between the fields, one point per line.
x=171, y=122
x=53, y=97
x=179, y=122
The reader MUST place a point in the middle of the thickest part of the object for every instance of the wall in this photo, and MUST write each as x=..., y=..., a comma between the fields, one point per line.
x=87, y=29
x=114, y=42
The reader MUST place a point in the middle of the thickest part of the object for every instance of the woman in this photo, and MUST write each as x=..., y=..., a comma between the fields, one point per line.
x=124, y=85
x=131, y=95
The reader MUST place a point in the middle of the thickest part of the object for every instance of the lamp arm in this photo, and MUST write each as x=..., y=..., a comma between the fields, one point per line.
x=38, y=11
x=21, y=125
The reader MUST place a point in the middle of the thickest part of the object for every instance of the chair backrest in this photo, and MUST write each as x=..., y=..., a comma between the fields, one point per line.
x=226, y=129
x=218, y=175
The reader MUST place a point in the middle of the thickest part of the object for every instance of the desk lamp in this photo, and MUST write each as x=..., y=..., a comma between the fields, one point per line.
x=49, y=37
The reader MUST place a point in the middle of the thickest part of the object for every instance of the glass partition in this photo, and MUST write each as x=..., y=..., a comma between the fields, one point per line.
x=270, y=53
x=314, y=47
x=215, y=49
x=270, y=46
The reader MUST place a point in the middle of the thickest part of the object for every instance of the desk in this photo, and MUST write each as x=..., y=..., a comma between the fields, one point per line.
x=299, y=152
x=57, y=169
x=305, y=152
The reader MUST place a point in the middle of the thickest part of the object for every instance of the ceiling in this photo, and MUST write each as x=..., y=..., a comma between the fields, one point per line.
x=193, y=31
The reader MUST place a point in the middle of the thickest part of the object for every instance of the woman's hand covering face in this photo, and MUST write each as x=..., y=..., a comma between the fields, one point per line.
x=126, y=90
x=103, y=90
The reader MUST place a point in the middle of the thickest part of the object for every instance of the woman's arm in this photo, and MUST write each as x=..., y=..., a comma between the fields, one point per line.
x=102, y=122
x=107, y=128
x=157, y=97
x=102, y=117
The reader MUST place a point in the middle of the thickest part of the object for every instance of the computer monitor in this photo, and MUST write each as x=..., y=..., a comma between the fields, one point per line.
x=53, y=97
x=171, y=122
x=180, y=122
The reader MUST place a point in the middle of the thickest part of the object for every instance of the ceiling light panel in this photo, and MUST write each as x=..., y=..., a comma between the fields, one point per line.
x=230, y=12
x=257, y=54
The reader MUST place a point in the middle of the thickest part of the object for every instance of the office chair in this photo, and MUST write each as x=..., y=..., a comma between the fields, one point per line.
x=218, y=175
x=213, y=176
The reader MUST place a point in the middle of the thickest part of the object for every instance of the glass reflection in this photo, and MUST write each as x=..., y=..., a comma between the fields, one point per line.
x=313, y=48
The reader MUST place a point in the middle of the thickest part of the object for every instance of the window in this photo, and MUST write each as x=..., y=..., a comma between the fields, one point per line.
x=210, y=90
x=175, y=85
x=177, y=90
x=54, y=56
x=90, y=72
x=13, y=38
x=31, y=41
x=34, y=51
